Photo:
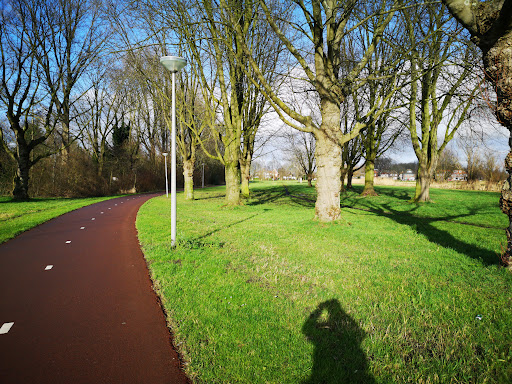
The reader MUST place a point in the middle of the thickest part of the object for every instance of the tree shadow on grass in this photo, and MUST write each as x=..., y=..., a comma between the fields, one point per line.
x=337, y=356
x=395, y=193
x=197, y=239
x=289, y=194
x=267, y=195
x=426, y=227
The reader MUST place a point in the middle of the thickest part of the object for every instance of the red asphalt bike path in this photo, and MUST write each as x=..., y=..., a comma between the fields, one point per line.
x=79, y=294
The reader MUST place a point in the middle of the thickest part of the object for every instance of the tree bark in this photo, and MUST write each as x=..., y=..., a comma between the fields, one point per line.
x=245, y=168
x=232, y=169
x=188, y=175
x=329, y=163
x=498, y=67
x=350, y=175
x=342, y=178
x=21, y=179
x=422, y=193
x=310, y=179
x=369, y=176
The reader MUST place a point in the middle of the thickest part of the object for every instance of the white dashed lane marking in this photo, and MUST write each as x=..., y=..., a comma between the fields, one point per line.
x=102, y=213
x=82, y=227
x=93, y=218
x=6, y=327
x=68, y=242
x=48, y=267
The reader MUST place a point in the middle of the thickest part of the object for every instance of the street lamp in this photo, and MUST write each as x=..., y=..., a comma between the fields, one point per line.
x=173, y=64
x=166, y=181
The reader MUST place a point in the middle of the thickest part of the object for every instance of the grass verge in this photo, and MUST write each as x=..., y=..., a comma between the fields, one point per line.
x=17, y=217
x=392, y=293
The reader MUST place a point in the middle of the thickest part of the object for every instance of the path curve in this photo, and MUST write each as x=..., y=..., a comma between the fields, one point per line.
x=77, y=304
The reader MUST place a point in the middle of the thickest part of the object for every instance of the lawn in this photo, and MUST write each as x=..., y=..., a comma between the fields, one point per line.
x=393, y=293
x=17, y=217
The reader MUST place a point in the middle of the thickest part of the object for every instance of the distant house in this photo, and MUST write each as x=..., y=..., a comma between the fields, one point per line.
x=458, y=175
x=393, y=176
x=270, y=175
x=408, y=176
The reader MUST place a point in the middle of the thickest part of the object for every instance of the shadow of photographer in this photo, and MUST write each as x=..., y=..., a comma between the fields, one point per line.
x=337, y=357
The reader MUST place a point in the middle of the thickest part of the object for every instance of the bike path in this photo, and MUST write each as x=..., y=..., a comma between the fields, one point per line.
x=77, y=304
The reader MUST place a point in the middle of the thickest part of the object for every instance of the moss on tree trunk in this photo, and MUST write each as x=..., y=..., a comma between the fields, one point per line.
x=245, y=170
x=422, y=192
x=188, y=175
x=369, y=177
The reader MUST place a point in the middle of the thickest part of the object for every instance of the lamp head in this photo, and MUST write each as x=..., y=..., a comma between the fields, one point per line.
x=173, y=63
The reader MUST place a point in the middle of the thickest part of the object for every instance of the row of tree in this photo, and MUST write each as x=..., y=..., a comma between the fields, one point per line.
x=351, y=74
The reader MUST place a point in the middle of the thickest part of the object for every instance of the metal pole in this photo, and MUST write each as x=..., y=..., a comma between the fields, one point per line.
x=203, y=176
x=173, y=163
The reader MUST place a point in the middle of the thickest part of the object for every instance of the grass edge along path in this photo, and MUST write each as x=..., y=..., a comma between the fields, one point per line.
x=394, y=293
x=18, y=217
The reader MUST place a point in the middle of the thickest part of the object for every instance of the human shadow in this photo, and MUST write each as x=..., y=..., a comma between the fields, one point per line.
x=337, y=357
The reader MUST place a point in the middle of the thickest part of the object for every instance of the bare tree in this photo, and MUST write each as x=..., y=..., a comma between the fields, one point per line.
x=28, y=109
x=443, y=86
x=446, y=164
x=315, y=44
x=96, y=115
x=300, y=147
x=68, y=36
x=490, y=25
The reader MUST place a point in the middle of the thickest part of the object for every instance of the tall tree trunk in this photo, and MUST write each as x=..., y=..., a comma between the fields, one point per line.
x=329, y=163
x=188, y=175
x=310, y=179
x=232, y=166
x=426, y=169
x=422, y=192
x=343, y=175
x=245, y=168
x=65, y=136
x=21, y=178
x=498, y=66
x=350, y=175
x=369, y=176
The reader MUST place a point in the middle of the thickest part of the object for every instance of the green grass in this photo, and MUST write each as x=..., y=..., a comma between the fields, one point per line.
x=392, y=293
x=17, y=217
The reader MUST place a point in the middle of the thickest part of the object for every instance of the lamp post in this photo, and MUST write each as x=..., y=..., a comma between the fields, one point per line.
x=173, y=64
x=166, y=181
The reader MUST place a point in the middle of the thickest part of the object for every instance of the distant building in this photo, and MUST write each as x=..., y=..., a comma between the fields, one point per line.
x=408, y=176
x=393, y=176
x=458, y=175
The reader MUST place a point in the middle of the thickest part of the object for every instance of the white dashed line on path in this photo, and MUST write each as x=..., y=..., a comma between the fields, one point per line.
x=93, y=218
x=68, y=242
x=48, y=267
x=82, y=227
x=6, y=327
x=102, y=213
